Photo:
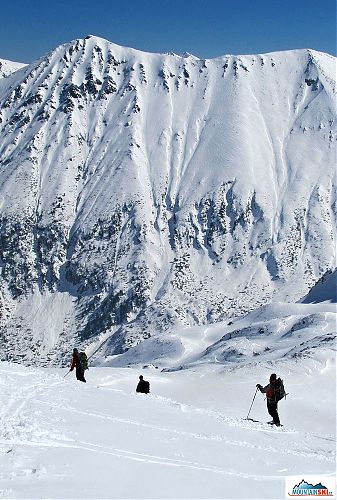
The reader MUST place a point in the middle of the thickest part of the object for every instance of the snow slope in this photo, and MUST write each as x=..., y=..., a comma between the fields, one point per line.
x=142, y=193
x=62, y=439
x=324, y=291
x=9, y=67
x=276, y=332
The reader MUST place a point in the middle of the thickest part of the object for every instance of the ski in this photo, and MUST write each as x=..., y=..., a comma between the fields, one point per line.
x=259, y=422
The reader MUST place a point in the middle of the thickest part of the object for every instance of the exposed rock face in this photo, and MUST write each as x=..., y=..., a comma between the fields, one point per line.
x=139, y=191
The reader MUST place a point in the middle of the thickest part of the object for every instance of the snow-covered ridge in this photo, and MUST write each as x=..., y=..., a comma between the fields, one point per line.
x=272, y=334
x=9, y=67
x=142, y=192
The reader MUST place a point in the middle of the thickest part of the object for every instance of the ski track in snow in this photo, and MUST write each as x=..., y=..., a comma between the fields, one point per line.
x=31, y=420
x=219, y=438
x=231, y=422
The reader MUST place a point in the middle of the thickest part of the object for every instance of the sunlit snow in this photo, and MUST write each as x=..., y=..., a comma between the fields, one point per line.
x=60, y=438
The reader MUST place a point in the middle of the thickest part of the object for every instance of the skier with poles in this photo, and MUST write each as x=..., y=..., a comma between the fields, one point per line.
x=274, y=392
x=80, y=362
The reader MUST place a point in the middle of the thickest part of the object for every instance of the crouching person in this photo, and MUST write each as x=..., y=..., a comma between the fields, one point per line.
x=143, y=385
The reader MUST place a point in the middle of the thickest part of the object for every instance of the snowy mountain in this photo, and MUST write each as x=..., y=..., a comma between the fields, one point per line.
x=9, y=67
x=142, y=193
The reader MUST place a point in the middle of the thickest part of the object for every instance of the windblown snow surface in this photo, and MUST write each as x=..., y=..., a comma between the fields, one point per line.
x=60, y=438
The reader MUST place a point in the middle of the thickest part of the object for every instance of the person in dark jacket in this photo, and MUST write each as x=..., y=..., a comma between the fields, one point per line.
x=77, y=364
x=143, y=385
x=270, y=391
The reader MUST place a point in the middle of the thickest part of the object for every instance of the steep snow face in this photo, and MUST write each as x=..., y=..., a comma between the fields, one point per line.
x=324, y=291
x=142, y=191
x=9, y=67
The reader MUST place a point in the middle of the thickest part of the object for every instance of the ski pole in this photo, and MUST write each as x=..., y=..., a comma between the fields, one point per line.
x=66, y=374
x=251, y=404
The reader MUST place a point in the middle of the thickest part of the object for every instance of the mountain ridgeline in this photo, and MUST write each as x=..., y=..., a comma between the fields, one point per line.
x=144, y=191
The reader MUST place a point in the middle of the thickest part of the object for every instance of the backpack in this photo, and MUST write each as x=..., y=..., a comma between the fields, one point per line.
x=147, y=386
x=83, y=358
x=280, y=392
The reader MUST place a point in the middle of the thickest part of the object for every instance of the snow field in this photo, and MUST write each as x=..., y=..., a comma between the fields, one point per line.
x=187, y=439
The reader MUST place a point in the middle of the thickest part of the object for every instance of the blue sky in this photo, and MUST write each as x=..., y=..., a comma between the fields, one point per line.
x=205, y=28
